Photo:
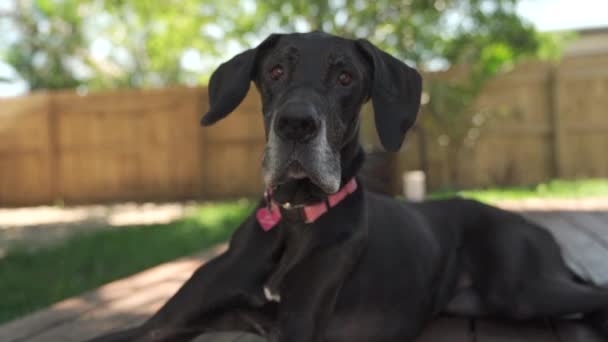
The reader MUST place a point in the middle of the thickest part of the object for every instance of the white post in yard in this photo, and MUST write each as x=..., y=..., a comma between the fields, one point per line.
x=414, y=186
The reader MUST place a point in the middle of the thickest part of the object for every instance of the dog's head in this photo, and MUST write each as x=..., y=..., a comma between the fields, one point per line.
x=312, y=87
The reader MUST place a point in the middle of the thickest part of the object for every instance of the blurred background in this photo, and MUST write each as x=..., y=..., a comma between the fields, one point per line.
x=101, y=102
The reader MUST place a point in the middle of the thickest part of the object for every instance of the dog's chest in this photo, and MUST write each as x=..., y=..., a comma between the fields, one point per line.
x=293, y=246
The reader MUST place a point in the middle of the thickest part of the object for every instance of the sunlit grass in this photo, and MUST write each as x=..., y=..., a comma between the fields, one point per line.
x=554, y=189
x=30, y=280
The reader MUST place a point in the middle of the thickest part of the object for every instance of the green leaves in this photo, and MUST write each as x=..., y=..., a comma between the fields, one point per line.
x=48, y=42
x=146, y=41
x=149, y=39
x=551, y=44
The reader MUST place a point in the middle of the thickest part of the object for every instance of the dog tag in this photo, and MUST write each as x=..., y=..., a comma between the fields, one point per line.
x=268, y=218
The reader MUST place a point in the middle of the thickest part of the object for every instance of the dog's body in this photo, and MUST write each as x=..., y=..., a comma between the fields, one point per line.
x=370, y=268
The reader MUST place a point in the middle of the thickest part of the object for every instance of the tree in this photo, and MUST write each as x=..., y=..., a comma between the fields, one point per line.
x=148, y=39
x=421, y=31
x=49, y=41
x=142, y=43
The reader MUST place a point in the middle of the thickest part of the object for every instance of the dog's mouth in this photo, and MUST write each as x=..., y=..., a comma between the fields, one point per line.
x=294, y=172
x=300, y=172
x=297, y=184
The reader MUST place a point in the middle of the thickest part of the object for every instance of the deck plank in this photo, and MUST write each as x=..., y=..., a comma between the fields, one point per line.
x=250, y=338
x=113, y=316
x=582, y=253
x=447, y=329
x=228, y=337
x=74, y=309
x=602, y=216
x=577, y=332
x=502, y=331
x=596, y=229
x=592, y=224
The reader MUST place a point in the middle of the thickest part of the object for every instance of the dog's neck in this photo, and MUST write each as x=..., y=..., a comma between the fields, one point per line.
x=352, y=161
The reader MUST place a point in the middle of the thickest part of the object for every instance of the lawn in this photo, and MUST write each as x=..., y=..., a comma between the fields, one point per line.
x=553, y=189
x=30, y=280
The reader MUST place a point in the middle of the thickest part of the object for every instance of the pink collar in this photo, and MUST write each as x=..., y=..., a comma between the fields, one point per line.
x=268, y=217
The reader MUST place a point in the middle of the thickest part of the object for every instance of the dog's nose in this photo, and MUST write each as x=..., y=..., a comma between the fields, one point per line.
x=299, y=125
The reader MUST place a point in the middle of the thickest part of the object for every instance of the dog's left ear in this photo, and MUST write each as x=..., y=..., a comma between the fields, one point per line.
x=395, y=93
x=230, y=82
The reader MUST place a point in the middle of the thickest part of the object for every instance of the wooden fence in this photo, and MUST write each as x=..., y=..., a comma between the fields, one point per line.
x=125, y=145
x=554, y=124
x=147, y=145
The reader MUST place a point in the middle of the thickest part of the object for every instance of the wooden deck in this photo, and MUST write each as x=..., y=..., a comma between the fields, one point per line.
x=129, y=301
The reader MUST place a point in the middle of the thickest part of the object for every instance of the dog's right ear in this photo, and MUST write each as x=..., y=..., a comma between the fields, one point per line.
x=230, y=82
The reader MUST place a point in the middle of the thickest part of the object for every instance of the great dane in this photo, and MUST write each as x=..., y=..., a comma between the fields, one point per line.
x=320, y=259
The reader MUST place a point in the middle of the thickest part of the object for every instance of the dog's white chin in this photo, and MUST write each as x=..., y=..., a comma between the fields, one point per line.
x=330, y=186
x=296, y=175
x=317, y=162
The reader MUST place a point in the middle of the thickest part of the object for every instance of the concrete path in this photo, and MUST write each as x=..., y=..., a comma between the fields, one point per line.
x=36, y=227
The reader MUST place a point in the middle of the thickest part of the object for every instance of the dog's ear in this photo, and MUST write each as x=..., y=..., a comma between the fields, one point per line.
x=230, y=82
x=395, y=93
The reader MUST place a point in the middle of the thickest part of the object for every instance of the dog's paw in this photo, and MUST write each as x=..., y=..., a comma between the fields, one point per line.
x=272, y=295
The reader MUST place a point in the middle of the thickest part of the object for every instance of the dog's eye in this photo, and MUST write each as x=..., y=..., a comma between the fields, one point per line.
x=277, y=72
x=345, y=78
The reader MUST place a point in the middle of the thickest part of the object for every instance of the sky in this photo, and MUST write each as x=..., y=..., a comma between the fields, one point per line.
x=551, y=15
x=546, y=15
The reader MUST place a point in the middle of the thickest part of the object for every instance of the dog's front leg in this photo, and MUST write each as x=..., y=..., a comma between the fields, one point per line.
x=309, y=293
x=234, y=279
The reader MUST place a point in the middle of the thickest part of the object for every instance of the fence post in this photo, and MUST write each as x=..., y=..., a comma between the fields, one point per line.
x=54, y=148
x=556, y=137
x=203, y=149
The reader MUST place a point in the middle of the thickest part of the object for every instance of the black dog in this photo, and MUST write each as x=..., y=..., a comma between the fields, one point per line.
x=354, y=266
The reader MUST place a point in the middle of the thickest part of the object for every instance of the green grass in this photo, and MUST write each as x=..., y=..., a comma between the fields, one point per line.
x=30, y=280
x=552, y=189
